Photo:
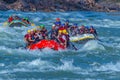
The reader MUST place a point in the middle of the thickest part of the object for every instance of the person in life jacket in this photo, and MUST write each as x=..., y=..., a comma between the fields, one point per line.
x=58, y=20
x=53, y=33
x=28, y=38
x=37, y=35
x=10, y=19
x=93, y=31
x=86, y=30
x=25, y=20
x=67, y=24
x=44, y=32
x=82, y=29
x=57, y=24
x=65, y=32
x=74, y=30
x=31, y=38
x=63, y=37
x=62, y=27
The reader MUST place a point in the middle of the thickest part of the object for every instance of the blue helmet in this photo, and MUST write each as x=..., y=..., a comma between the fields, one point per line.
x=67, y=21
x=91, y=26
x=75, y=24
x=87, y=27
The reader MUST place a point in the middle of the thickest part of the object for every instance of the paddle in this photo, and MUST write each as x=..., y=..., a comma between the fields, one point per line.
x=73, y=46
x=100, y=41
x=97, y=38
x=5, y=23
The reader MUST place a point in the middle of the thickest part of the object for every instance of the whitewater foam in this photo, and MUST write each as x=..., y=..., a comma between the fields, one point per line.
x=92, y=45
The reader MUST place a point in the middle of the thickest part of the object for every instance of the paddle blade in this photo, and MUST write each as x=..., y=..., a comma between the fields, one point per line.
x=5, y=23
x=32, y=24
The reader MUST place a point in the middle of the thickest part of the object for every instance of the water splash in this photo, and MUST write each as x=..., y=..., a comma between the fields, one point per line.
x=93, y=45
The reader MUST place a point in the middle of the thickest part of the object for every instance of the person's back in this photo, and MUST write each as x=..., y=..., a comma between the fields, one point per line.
x=31, y=38
x=63, y=37
x=44, y=32
x=57, y=24
x=54, y=33
x=38, y=37
x=82, y=29
x=86, y=30
x=93, y=31
x=67, y=26
x=39, y=34
x=74, y=30
x=28, y=38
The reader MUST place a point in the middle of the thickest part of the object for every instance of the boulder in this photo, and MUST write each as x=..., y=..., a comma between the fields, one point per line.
x=59, y=5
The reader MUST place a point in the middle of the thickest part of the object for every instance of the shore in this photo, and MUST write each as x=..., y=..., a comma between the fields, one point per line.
x=60, y=5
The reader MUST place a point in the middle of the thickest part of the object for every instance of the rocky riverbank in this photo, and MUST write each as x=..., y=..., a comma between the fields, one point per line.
x=60, y=5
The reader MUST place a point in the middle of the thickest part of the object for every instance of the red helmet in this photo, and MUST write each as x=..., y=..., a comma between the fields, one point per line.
x=57, y=19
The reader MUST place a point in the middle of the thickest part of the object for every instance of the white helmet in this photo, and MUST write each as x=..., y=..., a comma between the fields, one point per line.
x=53, y=25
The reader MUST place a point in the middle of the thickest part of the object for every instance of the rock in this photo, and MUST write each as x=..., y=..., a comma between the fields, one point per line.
x=111, y=5
x=3, y=6
x=9, y=1
x=60, y=5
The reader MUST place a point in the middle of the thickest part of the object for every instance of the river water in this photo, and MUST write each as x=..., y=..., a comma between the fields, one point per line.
x=95, y=60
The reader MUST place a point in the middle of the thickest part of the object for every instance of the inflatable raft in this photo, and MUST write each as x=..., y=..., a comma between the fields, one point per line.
x=17, y=23
x=52, y=44
x=82, y=37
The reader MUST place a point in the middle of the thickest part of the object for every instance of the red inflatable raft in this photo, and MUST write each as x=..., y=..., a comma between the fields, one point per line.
x=52, y=44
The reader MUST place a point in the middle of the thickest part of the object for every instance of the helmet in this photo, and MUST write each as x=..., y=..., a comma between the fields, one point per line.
x=67, y=21
x=53, y=25
x=87, y=27
x=42, y=26
x=57, y=19
x=34, y=29
x=37, y=26
x=29, y=31
x=26, y=18
x=64, y=31
x=91, y=26
x=75, y=24
x=60, y=31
